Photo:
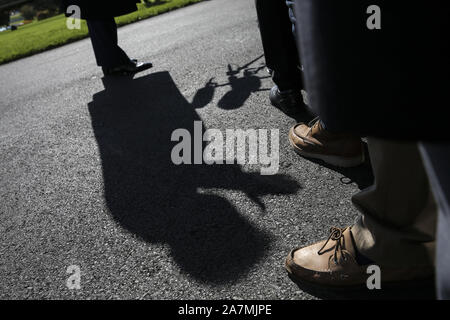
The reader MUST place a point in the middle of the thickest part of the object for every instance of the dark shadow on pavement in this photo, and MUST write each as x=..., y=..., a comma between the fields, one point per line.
x=160, y=202
x=362, y=175
x=241, y=88
x=242, y=80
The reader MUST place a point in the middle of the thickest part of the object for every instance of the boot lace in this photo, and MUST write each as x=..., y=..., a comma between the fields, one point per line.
x=336, y=234
x=313, y=122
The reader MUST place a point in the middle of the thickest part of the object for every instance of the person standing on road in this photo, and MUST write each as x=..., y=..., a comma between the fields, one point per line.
x=99, y=16
x=313, y=140
x=280, y=52
x=362, y=79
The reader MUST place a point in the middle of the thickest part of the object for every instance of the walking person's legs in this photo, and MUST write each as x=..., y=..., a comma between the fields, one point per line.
x=108, y=53
x=103, y=33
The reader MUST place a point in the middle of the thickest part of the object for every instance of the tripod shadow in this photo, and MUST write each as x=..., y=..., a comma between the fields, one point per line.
x=160, y=202
x=243, y=81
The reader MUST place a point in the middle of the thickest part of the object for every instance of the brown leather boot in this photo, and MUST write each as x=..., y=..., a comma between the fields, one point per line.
x=313, y=141
x=332, y=263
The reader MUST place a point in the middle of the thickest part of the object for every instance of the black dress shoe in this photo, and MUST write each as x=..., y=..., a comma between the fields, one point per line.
x=130, y=68
x=289, y=101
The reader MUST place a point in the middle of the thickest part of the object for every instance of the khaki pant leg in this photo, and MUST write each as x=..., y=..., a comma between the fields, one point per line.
x=398, y=222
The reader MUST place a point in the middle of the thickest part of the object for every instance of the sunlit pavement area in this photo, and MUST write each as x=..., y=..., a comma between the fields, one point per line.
x=86, y=177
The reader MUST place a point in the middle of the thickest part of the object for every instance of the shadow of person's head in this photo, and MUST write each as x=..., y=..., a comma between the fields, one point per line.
x=150, y=196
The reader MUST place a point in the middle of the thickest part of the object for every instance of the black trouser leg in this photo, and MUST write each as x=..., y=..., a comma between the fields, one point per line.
x=103, y=35
x=279, y=45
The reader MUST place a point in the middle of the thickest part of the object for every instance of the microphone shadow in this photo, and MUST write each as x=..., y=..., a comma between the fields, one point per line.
x=160, y=202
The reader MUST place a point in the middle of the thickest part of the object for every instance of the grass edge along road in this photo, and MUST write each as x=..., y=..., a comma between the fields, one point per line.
x=52, y=32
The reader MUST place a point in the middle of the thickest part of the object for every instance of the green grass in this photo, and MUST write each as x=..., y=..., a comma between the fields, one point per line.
x=50, y=33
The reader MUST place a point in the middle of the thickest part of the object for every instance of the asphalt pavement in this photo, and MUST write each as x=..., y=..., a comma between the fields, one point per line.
x=86, y=177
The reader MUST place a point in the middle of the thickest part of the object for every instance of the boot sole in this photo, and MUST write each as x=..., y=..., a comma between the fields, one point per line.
x=402, y=290
x=336, y=161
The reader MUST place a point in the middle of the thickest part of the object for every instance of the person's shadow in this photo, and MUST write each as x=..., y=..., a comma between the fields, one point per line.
x=160, y=202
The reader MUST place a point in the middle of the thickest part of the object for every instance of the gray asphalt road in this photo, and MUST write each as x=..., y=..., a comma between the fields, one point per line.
x=86, y=177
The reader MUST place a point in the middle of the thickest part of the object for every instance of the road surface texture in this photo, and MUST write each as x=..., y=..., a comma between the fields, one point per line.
x=86, y=177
